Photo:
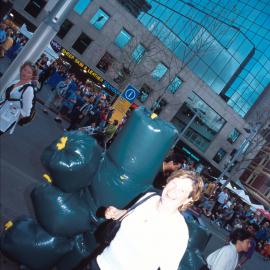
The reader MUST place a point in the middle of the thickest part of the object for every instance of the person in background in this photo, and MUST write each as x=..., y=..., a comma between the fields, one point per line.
x=80, y=111
x=169, y=165
x=156, y=231
x=46, y=73
x=222, y=198
x=4, y=47
x=3, y=34
x=263, y=233
x=226, y=258
x=17, y=101
x=69, y=101
x=210, y=189
x=57, y=95
x=110, y=131
x=246, y=255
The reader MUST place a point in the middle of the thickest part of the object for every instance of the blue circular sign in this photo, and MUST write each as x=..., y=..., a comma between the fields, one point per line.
x=130, y=94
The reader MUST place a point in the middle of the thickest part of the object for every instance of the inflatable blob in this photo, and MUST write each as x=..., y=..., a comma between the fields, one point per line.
x=142, y=145
x=83, y=247
x=29, y=244
x=133, y=159
x=72, y=160
x=112, y=183
x=199, y=236
x=192, y=260
x=61, y=214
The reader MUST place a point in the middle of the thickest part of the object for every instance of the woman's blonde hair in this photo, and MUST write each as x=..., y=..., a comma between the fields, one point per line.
x=197, y=185
x=31, y=65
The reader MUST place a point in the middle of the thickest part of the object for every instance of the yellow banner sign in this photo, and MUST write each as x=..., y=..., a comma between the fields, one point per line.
x=82, y=65
x=120, y=106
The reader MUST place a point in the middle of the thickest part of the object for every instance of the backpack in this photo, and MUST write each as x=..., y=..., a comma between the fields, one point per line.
x=29, y=118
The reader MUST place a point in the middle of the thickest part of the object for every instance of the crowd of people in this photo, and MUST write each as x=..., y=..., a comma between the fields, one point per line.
x=84, y=104
x=223, y=208
x=11, y=41
x=229, y=212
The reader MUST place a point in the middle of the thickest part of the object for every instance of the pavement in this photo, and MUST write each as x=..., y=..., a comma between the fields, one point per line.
x=21, y=170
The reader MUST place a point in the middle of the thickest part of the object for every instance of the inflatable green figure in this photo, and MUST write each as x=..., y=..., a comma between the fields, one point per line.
x=84, y=178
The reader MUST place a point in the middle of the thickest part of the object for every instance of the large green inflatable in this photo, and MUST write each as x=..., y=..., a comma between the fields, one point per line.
x=133, y=159
x=60, y=213
x=72, y=160
x=84, y=179
x=29, y=244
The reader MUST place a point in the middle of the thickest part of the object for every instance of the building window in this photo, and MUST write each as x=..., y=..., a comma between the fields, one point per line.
x=203, y=129
x=81, y=6
x=122, y=74
x=159, y=71
x=34, y=7
x=234, y=135
x=105, y=62
x=219, y=155
x=122, y=39
x=159, y=105
x=175, y=85
x=99, y=19
x=138, y=53
x=145, y=91
x=64, y=28
x=81, y=43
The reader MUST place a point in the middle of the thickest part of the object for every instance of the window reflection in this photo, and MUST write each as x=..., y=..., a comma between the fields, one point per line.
x=99, y=19
x=122, y=39
x=159, y=71
x=81, y=6
x=206, y=126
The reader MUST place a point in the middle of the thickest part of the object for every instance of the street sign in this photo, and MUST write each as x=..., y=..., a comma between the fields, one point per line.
x=130, y=93
x=120, y=107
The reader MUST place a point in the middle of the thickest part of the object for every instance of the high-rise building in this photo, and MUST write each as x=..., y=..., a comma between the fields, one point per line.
x=225, y=43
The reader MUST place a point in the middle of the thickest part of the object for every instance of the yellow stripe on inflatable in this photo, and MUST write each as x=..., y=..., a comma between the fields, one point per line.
x=62, y=143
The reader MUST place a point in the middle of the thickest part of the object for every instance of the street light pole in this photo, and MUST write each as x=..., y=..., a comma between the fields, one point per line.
x=242, y=147
x=39, y=41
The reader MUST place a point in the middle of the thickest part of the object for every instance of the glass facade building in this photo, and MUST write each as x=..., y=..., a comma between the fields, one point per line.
x=225, y=43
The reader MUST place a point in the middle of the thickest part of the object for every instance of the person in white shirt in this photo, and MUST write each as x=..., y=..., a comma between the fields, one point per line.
x=154, y=235
x=226, y=258
x=17, y=100
x=222, y=198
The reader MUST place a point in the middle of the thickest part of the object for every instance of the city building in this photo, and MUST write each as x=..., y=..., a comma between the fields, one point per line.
x=256, y=176
x=200, y=64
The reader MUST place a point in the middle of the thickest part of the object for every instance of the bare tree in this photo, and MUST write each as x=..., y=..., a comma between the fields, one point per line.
x=197, y=43
x=257, y=150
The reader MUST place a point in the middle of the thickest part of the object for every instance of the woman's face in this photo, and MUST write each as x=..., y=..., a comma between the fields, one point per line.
x=176, y=192
x=26, y=73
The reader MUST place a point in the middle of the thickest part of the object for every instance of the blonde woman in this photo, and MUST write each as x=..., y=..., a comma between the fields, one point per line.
x=154, y=235
x=17, y=100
